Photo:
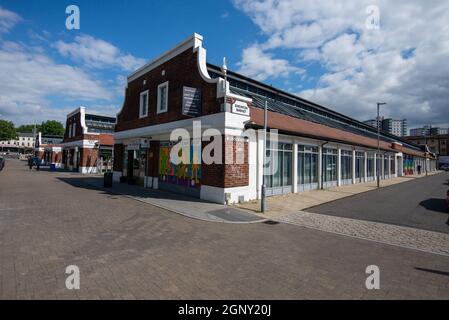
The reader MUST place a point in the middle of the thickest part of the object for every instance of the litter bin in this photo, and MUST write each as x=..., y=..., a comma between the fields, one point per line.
x=107, y=182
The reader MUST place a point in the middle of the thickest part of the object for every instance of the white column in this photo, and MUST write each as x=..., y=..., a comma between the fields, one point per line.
x=389, y=166
x=395, y=165
x=382, y=166
x=375, y=166
x=320, y=166
x=353, y=166
x=365, y=173
x=295, y=168
x=339, y=167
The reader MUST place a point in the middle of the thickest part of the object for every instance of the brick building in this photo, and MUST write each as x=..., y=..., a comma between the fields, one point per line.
x=437, y=144
x=316, y=146
x=48, y=149
x=88, y=141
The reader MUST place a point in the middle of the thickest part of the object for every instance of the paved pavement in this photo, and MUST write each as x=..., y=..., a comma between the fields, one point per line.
x=127, y=249
x=313, y=198
x=420, y=203
x=181, y=204
x=418, y=239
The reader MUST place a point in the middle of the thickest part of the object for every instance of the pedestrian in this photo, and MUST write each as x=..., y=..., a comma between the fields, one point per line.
x=419, y=169
x=30, y=162
x=38, y=164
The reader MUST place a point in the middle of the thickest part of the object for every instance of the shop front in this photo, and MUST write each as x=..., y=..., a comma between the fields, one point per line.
x=307, y=168
x=278, y=170
x=179, y=167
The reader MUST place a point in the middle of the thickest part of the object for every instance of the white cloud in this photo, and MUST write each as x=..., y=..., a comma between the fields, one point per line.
x=30, y=78
x=8, y=20
x=260, y=65
x=98, y=53
x=363, y=66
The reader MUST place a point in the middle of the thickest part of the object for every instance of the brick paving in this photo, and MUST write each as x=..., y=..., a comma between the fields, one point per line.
x=429, y=241
x=127, y=249
x=313, y=198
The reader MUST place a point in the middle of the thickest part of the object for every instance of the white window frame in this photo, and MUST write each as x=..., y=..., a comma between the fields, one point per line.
x=141, y=107
x=165, y=84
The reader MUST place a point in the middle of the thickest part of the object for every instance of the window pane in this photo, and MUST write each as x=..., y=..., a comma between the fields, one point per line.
x=287, y=169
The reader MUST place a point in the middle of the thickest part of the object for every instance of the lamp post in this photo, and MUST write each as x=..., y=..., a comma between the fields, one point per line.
x=263, y=203
x=378, y=139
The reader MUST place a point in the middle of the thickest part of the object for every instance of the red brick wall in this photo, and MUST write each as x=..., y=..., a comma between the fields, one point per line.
x=153, y=159
x=180, y=71
x=76, y=118
x=228, y=174
x=88, y=157
x=118, y=157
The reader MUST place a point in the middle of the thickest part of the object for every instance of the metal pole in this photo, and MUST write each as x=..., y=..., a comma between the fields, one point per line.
x=426, y=155
x=378, y=143
x=264, y=198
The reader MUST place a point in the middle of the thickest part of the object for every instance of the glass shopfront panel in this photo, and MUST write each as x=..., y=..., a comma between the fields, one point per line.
x=278, y=170
x=307, y=167
x=370, y=166
x=392, y=165
x=359, y=166
x=378, y=165
x=386, y=166
x=329, y=167
x=346, y=167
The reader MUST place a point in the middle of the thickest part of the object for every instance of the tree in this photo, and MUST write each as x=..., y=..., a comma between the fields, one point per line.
x=52, y=127
x=27, y=128
x=7, y=130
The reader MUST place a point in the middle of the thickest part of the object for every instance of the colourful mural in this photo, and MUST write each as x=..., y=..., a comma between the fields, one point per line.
x=187, y=175
x=409, y=165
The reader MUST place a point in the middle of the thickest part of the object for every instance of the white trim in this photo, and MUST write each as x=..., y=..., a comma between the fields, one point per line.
x=194, y=40
x=141, y=114
x=159, y=102
x=89, y=144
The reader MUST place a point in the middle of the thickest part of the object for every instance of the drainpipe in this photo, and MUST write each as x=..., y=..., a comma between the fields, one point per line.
x=322, y=166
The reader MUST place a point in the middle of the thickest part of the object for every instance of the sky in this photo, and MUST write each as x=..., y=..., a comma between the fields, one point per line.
x=346, y=55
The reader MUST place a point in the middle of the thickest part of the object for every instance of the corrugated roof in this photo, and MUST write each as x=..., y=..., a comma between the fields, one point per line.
x=291, y=105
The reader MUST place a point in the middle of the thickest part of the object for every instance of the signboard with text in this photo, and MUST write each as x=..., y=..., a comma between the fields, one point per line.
x=191, y=102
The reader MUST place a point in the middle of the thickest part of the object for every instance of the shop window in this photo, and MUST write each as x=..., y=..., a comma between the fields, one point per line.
x=162, y=97
x=330, y=164
x=346, y=165
x=278, y=171
x=143, y=106
x=307, y=164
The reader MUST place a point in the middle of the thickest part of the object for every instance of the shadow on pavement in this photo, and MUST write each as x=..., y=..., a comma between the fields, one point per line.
x=443, y=273
x=96, y=183
x=180, y=203
x=434, y=204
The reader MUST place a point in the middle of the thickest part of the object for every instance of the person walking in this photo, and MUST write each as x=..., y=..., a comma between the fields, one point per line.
x=38, y=163
x=30, y=162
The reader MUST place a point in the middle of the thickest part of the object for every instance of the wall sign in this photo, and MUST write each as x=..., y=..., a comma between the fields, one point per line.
x=240, y=108
x=191, y=102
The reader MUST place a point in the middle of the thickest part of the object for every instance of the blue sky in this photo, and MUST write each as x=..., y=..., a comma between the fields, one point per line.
x=322, y=52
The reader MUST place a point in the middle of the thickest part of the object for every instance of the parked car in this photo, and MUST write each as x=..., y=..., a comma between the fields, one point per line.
x=445, y=167
x=2, y=163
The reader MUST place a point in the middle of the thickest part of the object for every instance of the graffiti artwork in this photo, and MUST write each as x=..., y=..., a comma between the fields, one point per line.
x=175, y=171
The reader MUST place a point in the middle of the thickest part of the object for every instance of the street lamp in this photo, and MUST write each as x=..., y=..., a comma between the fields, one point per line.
x=378, y=139
x=263, y=202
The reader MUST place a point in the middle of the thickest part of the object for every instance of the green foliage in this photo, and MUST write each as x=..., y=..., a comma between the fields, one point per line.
x=27, y=128
x=7, y=130
x=52, y=127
